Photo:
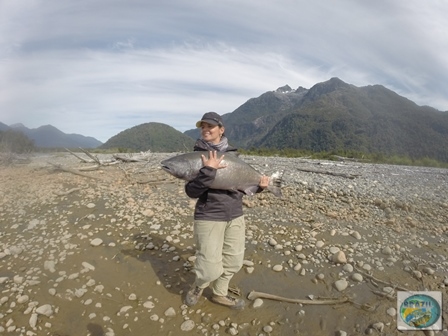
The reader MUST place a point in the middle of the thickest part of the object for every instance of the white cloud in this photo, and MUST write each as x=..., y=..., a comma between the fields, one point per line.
x=99, y=67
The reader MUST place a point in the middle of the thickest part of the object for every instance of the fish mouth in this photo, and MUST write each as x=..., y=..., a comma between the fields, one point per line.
x=166, y=168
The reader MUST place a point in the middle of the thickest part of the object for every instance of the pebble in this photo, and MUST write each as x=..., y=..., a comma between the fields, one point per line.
x=268, y=329
x=170, y=312
x=356, y=234
x=277, y=268
x=386, y=250
x=257, y=303
x=96, y=242
x=341, y=333
x=298, y=248
x=339, y=258
x=320, y=244
x=356, y=277
x=378, y=326
x=45, y=309
x=391, y=311
x=187, y=325
x=334, y=249
x=341, y=285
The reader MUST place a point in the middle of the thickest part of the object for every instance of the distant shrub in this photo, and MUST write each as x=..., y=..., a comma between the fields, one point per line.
x=15, y=142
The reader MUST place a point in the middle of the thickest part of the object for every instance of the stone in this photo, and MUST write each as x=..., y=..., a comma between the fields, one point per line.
x=356, y=277
x=170, y=312
x=341, y=285
x=339, y=258
x=45, y=309
x=187, y=325
x=277, y=268
x=257, y=303
x=96, y=242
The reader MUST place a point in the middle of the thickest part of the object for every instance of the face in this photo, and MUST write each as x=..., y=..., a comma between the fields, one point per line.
x=211, y=133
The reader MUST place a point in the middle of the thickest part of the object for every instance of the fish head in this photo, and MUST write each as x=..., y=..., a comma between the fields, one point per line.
x=180, y=167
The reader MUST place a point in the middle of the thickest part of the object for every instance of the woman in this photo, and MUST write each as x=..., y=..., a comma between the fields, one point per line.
x=219, y=228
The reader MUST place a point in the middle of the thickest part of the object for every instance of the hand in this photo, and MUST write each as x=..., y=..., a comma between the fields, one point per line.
x=264, y=182
x=213, y=161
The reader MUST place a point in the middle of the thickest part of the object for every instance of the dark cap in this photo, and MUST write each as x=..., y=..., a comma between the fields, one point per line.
x=211, y=118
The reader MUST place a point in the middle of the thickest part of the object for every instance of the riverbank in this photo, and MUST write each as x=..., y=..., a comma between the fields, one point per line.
x=110, y=252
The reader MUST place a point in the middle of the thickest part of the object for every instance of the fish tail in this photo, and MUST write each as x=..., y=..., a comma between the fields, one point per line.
x=275, y=184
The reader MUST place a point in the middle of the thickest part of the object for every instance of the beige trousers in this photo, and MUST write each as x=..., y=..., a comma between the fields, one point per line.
x=219, y=253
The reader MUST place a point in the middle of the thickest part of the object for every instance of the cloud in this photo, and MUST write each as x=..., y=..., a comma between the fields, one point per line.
x=99, y=67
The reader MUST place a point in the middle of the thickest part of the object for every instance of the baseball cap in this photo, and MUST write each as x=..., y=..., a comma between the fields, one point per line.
x=211, y=118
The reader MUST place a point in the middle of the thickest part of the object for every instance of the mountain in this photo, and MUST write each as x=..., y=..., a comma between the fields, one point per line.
x=255, y=118
x=4, y=127
x=336, y=116
x=50, y=137
x=152, y=136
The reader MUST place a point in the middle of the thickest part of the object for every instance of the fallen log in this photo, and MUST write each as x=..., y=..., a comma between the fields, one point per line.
x=69, y=170
x=93, y=157
x=255, y=295
x=65, y=193
x=77, y=156
x=317, y=171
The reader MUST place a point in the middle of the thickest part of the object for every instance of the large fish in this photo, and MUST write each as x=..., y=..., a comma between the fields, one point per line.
x=237, y=175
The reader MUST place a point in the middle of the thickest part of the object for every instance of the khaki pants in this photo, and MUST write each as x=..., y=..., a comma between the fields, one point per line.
x=219, y=253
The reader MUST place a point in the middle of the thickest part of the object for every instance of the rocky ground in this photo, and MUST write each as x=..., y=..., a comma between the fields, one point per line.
x=110, y=252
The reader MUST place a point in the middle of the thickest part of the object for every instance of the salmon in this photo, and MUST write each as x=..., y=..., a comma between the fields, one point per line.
x=237, y=175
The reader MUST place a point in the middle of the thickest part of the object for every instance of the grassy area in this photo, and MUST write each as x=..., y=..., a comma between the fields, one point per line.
x=358, y=156
x=291, y=153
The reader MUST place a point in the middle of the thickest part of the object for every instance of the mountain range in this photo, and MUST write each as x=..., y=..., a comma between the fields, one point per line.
x=50, y=137
x=331, y=116
x=336, y=116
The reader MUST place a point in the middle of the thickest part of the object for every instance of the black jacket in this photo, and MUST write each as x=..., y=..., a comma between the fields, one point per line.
x=213, y=204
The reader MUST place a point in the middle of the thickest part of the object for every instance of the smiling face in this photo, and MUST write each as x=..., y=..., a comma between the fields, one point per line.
x=211, y=133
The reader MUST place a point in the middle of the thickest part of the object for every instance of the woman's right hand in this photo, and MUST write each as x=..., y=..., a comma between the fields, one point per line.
x=213, y=160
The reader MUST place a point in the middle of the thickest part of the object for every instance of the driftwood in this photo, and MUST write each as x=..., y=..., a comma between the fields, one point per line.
x=342, y=158
x=91, y=168
x=143, y=156
x=93, y=159
x=79, y=157
x=255, y=295
x=371, y=277
x=65, y=193
x=69, y=170
x=317, y=171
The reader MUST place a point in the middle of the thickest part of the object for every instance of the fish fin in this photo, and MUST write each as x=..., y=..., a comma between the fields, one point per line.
x=251, y=190
x=275, y=184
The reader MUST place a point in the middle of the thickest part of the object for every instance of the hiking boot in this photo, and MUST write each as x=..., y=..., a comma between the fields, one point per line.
x=229, y=301
x=193, y=296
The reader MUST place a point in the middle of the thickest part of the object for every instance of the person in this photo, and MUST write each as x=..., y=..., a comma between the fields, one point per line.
x=219, y=227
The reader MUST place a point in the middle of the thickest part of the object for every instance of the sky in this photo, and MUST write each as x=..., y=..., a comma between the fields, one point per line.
x=99, y=67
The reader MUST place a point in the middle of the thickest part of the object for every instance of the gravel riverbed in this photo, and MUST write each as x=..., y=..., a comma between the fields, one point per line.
x=110, y=252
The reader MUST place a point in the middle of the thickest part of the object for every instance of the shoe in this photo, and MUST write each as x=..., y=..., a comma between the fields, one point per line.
x=229, y=301
x=193, y=296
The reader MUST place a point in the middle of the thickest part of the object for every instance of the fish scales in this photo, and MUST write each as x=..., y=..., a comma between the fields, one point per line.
x=237, y=175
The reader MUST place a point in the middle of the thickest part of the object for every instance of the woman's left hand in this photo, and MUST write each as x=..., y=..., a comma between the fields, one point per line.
x=264, y=182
